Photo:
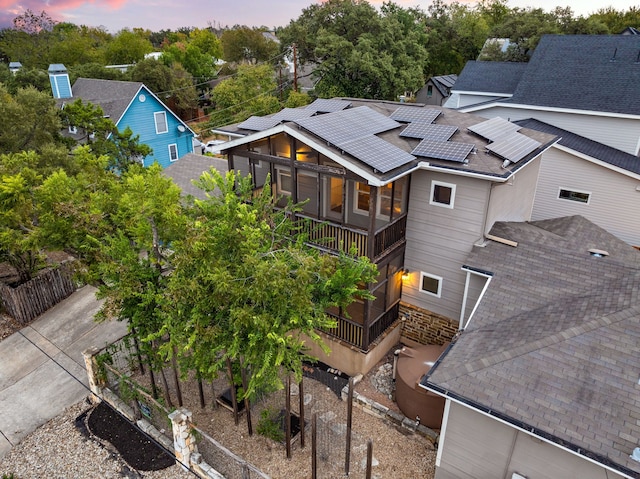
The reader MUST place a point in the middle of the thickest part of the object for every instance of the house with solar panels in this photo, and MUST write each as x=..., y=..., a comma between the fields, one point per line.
x=129, y=104
x=411, y=187
x=586, y=90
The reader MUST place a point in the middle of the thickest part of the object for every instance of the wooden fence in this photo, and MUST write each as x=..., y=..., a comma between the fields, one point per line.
x=29, y=300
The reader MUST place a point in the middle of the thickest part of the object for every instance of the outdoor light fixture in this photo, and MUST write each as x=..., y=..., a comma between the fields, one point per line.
x=405, y=274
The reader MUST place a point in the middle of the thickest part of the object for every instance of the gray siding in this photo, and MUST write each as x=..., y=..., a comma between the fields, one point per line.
x=460, y=100
x=477, y=447
x=439, y=239
x=614, y=203
x=513, y=200
x=620, y=133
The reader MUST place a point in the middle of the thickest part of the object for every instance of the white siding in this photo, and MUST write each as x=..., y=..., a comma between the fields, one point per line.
x=620, y=133
x=614, y=203
x=460, y=100
x=513, y=200
x=476, y=446
x=439, y=239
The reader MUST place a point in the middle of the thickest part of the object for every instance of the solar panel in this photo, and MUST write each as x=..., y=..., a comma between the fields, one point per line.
x=346, y=125
x=258, y=123
x=494, y=128
x=324, y=105
x=443, y=150
x=377, y=153
x=429, y=131
x=290, y=114
x=513, y=147
x=409, y=114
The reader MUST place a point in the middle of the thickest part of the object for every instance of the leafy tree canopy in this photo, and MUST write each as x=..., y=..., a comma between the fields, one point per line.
x=242, y=44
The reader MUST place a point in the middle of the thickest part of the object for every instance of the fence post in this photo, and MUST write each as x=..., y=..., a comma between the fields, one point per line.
x=96, y=381
x=347, y=454
x=184, y=442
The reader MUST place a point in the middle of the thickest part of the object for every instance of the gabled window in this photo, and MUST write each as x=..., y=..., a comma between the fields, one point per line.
x=429, y=91
x=442, y=194
x=573, y=195
x=73, y=130
x=431, y=284
x=161, y=122
x=173, y=152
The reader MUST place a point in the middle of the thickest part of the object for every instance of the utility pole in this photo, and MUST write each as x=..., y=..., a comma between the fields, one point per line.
x=295, y=68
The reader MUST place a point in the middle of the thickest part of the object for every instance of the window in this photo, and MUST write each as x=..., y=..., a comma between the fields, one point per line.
x=429, y=91
x=161, y=122
x=173, y=152
x=384, y=201
x=73, y=130
x=430, y=284
x=442, y=194
x=363, y=193
x=572, y=195
x=283, y=182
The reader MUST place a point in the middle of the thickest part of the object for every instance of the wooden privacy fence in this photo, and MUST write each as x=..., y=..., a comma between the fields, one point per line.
x=29, y=300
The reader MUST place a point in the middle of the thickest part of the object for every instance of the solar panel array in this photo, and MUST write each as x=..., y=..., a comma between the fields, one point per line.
x=259, y=123
x=429, y=131
x=323, y=105
x=346, y=125
x=513, y=147
x=494, y=128
x=291, y=114
x=377, y=153
x=443, y=150
x=410, y=114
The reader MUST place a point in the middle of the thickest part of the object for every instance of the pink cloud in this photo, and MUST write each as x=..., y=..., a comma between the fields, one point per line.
x=56, y=9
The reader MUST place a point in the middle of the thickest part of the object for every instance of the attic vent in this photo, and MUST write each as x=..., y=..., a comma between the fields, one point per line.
x=598, y=253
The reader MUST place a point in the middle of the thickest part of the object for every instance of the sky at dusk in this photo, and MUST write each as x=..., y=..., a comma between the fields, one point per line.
x=156, y=15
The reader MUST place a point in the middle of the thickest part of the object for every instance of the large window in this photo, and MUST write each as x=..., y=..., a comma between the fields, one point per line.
x=442, y=194
x=161, y=122
x=573, y=195
x=430, y=284
x=390, y=196
x=173, y=152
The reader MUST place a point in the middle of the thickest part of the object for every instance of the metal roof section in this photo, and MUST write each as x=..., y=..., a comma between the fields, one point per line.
x=494, y=129
x=513, y=147
x=444, y=150
x=430, y=131
x=377, y=153
x=323, y=105
x=346, y=125
x=410, y=114
x=258, y=123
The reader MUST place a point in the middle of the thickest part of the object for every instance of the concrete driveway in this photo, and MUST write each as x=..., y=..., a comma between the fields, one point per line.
x=42, y=370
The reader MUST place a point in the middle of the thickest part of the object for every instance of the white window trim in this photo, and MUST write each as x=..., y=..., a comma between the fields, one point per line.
x=176, y=147
x=435, y=183
x=432, y=276
x=155, y=121
x=279, y=173
x=366, y=212
x=574, y=191
x=73, y=129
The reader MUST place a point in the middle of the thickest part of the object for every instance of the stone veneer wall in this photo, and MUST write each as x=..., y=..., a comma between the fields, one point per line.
x=426, y=327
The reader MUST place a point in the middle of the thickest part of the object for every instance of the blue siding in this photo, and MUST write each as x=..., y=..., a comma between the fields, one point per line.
x=60, y=85
x=140, y=118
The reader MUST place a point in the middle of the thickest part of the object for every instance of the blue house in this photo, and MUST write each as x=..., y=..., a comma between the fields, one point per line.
x=130, y=104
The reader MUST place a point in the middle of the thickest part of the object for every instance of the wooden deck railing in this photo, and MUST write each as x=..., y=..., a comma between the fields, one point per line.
x=353, y=333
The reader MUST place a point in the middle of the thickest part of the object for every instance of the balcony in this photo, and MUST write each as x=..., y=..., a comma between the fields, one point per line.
x=357, y=334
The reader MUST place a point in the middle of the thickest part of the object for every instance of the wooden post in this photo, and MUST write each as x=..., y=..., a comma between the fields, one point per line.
x=301, y=408
x=369, y=458
x=176, y=380
x=247, y=410
x=287, y=416
x=201, y=392
x=347, y=454
x=314, y=446
x=214, y=403
x=234, y=399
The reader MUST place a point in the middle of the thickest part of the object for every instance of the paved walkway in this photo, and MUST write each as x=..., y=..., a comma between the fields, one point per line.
x=42, y=370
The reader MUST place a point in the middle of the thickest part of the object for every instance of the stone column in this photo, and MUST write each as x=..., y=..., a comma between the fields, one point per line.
x=184, y=442
x=96, y=383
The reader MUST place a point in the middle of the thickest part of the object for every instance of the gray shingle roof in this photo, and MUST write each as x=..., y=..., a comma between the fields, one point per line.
x=491, y=77
x=189, y=168
x=585, y=72
x=553, y=346
x=444, y=83
x=111, y=95
x=584, y=145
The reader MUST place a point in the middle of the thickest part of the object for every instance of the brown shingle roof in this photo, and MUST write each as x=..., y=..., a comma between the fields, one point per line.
x=554, y=344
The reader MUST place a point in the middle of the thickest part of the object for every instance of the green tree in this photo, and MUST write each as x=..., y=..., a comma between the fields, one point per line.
x=154, y=74
x=242, y=44
x=29, y=40
x=246, y=287
x=76, y=45
x=250, y=92
x=127, y=47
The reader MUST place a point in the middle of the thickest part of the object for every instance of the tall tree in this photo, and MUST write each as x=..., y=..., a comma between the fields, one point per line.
x=127, y=47
x=242, y=44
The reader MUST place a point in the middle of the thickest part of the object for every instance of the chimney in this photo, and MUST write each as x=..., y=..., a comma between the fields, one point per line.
x=59, y=78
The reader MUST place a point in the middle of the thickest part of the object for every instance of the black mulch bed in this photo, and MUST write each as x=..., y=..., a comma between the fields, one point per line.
x=330, y=377
x=136, y=448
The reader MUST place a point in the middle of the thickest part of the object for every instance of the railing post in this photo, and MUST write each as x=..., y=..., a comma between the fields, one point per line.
x=184, y=442
x=96, y=381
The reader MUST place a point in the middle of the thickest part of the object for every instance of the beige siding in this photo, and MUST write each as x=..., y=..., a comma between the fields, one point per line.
x=620, y=133
x=513, y=200
x=476, y=446
x=439, y=239
x=614, y=202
